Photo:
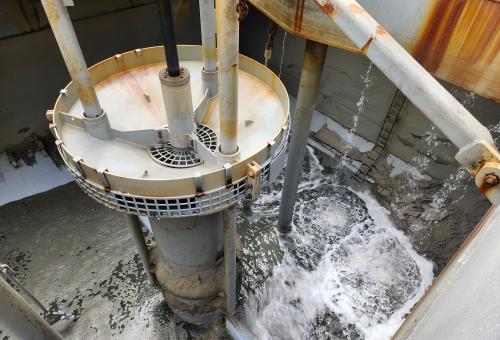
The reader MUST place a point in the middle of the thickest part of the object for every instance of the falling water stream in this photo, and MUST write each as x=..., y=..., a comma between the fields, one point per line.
x=360, y=105
x=282, y=53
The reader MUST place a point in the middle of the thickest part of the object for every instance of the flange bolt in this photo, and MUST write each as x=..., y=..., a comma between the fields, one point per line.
x=490, y=180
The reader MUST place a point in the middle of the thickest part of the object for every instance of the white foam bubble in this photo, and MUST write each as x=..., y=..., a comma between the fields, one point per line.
x=345, y=271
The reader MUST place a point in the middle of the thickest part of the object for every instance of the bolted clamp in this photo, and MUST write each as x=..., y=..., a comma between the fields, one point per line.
x=254, y=179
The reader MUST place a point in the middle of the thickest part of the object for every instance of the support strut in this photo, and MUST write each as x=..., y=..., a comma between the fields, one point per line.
x=19, y=320
x=60, y=22
x=140, y=243
x=310, y=78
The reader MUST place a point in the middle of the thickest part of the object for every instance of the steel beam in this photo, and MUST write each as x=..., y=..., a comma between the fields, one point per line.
x=424, y=91
x=476, y=146
x=310, y=78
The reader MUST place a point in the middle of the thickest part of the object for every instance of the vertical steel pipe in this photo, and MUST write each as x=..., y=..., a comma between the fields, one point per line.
x=208, y=35
x=60, y=22
x=230, y=220
x=228, y=45
x=208, y=40
x=428, y=95
x=19, y=320
x=169, y=42
x=310, y=78
x=140, y=243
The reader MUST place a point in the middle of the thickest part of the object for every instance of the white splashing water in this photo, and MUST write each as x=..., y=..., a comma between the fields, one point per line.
x=282, y=53
x=344, y=272
x=360, y=104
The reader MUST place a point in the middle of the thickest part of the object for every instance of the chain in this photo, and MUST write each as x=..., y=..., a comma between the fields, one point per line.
x=242, y=9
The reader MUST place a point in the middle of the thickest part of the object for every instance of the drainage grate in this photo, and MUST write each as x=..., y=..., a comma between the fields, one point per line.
x=207, y=136
x=166, y=155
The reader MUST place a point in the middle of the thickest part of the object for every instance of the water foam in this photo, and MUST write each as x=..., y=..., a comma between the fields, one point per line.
x=345, y=271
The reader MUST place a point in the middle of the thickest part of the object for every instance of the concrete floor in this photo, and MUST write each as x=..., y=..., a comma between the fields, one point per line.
x=76, y=255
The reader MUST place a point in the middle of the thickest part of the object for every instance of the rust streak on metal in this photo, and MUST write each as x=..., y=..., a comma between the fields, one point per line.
x=380, y=31
x=356, y=9
x=327, y=8
x=460, y=42
x=299, y=13
x=365, y=47
x=437, y=34
x=490, y=181
x=209, y=53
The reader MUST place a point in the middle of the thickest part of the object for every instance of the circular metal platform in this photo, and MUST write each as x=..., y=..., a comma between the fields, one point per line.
x=121, y=172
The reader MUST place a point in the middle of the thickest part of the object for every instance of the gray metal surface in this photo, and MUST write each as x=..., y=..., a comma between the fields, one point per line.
x=189, y=265
x=464, y=301
x=140, y=243
x=301, y=124
x=191, y=243
x=230, y=215
x=19, y=320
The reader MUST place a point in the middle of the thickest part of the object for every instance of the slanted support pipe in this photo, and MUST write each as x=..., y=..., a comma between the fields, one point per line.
x=95, y=119
x=310, y=78
x=230, y=220
x=208, y=41
x=228, y=45
x=19, y=320
x=477, y=152
x=428, y=95
x=60, y=22
x=140, y=243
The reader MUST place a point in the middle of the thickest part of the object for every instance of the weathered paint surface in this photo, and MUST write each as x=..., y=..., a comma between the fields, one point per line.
x=460, y=42
x=456, y=40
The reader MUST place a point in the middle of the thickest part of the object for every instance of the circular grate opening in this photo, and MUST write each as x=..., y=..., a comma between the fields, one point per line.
x=168, y=156
x=207, y=136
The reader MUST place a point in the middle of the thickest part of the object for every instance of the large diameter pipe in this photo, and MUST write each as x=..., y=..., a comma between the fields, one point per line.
x=19, y=320
x=310, y=78
x=230, y=219
x=227, y=43
x=425, y=92
x=169, y=42
x=208, y=35
x=64, y=33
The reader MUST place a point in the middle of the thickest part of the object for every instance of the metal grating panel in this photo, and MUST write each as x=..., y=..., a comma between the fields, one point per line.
x=207, y=136
x=166, y=155
x=207, y=203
